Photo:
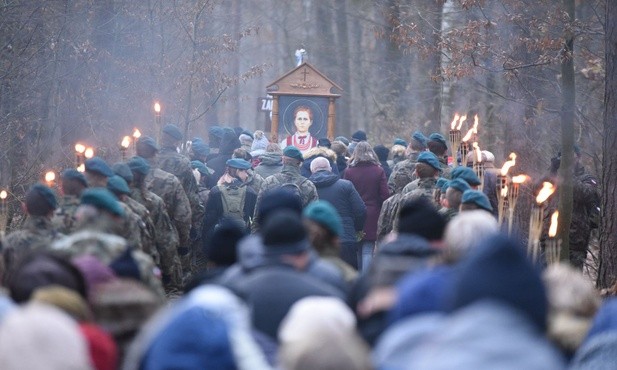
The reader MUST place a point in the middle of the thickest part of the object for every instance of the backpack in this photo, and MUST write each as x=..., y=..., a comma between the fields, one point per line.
x=233, y=198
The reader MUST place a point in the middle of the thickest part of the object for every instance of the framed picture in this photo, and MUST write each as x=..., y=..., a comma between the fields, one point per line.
x=316, y=107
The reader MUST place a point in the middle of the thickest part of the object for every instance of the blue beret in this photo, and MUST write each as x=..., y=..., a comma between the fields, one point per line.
x=293, y=152
x=323, y=213
x=123, y=170
x=200, y=166
x=45, y=193
x=139, y=165
x=97, y=165
x=102, y=199
x=441, y=182
x=200, y=148
x=438, y=138
x=444, y=187
x=147, y=141
x=216, y=131
x=173, y=131
x=117, y=184
x=419, y=137
x=478, y=198
x=197, y=139
x=430, y=159
x=399, y=141
x=73, y=174
x=460, y=185
x=467, y=174
x=238, y=163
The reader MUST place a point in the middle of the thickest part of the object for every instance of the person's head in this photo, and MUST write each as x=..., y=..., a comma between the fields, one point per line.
x=323, y=224
x=363, y=153
x=382, y=152
x=242, y=154
x=73, y=182
x=467, y=230
x=119, y=187
x=454, y=193
x=358, y=136
x=428, y=165
x=475, y=199
x=140, y=169
x=420, y=217
x=284, y=238
x=97, y=172
x=418, y=142
x=238, y=168
x=303, y=119
x=292, y=156
x=398, y=152
x=40, y=201
x=123, y=170
x=320, y=164
x=437, y=144
x=274, y=148
x=339, y=148
x=172, y=136
x=146, y=147
x=222, y=243
x=96, y=203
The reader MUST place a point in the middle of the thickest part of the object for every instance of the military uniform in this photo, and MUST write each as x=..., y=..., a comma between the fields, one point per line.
x=165, y=237
x=37, y=234
x=389, y=210
x=146, y=227
x=130, y=227
x=63, y=219
x=403, y=173
x=423, y=188
x=448, y=213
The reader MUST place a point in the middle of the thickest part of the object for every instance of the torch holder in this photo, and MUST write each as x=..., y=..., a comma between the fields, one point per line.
x=553, y=250
x=464, y=148
x=455, y=141
x=478, y=168
x=513, y=191
x=536, y=220
x=502, y=201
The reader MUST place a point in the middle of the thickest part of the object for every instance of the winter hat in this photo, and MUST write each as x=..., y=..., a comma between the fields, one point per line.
x=173, y=131
x=125, y=266
x=342, y=139
x=139, y=165
x=123, y=170
x=38, y=336
x=382, y=152
x=499, y=270
x=118, y=185
x=399, y=141
x=277, y=199
x=293, y=152
x=420, y=217
x=221, y=246
x=467, y=174
x=102, y=348
x=395, y=258
x=99, y=166
x=40, y=200
x=284, y=233
x=93, y=270
x=478, y=198
x=358, y=136
x=320, y=164
x=215, y=134
x=323, y=213
x=65, y=299
x=102, y=199
x=73, y=174
x=260, y=142
x=184, y=344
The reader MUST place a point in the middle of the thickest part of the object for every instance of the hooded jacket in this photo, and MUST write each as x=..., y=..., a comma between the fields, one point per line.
x=229, y=143
x=271, y=163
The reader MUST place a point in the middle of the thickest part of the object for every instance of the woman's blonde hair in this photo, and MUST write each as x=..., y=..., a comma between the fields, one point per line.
x=362, y=153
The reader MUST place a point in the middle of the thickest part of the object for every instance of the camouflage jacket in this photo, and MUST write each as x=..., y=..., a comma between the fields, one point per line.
x=421, y=188
x=402, y=173
x=254, y=181
x=389, y=211
x=445, y=169
x=130, y=228
x=146, y=227
x=289, y=175
x=63, y=219
x=171, y=161
x=448, y=213
x=167, y=186
x=165, y=234
x=37, y=233
x=106, y=248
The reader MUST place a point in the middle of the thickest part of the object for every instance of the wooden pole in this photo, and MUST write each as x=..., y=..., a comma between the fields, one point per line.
x=275, y=119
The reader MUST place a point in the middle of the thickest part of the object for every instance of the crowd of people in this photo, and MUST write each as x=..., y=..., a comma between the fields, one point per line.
x=236, y=253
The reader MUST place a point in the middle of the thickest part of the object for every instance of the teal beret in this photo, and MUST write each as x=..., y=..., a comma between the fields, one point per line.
x=123, y=170
x=117, y=184
x=478, y=198
x=173, y=131
x=460, y=185
x=148, y=142
x=46, y=193
x=73, y=174
x=98, y=165
x=444, y=187
x=139, y=165
x=441, y=182
x=200, y=148
x=238, y=163
x=293, y=152
x=430, y=159
x=399, y=141
x=102, y=199
x=467, y=174
x=216, y=131
x=199, y=166
x=323, y=213
x=196, y=140
x=438, y=138
x=419, y=137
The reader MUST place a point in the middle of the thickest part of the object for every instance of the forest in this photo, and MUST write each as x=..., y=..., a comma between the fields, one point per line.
x=538, y=73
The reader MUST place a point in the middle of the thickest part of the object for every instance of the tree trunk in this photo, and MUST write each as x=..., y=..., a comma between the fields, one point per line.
x=608, y=228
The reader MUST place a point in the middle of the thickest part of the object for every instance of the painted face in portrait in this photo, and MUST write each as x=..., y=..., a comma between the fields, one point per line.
x=303, y=121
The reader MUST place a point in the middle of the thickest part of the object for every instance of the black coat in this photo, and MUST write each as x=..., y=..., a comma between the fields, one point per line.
x=345, y=199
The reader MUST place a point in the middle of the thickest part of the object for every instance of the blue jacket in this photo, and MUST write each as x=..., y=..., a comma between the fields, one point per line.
x=345, y=199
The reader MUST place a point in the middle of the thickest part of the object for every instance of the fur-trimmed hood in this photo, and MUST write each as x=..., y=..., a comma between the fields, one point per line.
x=320, y=151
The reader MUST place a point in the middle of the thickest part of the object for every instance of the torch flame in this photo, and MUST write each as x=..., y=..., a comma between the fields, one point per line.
x=504, y=191
x=547, y=190
x=157, y=107
x=3, y=194
x=89, y=153
x=136, y=134
x=81, y=168
x=508, y=164
x=80, y=148
x=453, y=124
x=468, y=135
x=460, y=122
x=476, y=121
x=126, y=142
x=519, y=179
x=50, y=176
x=552, y=230
x=476, y=149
